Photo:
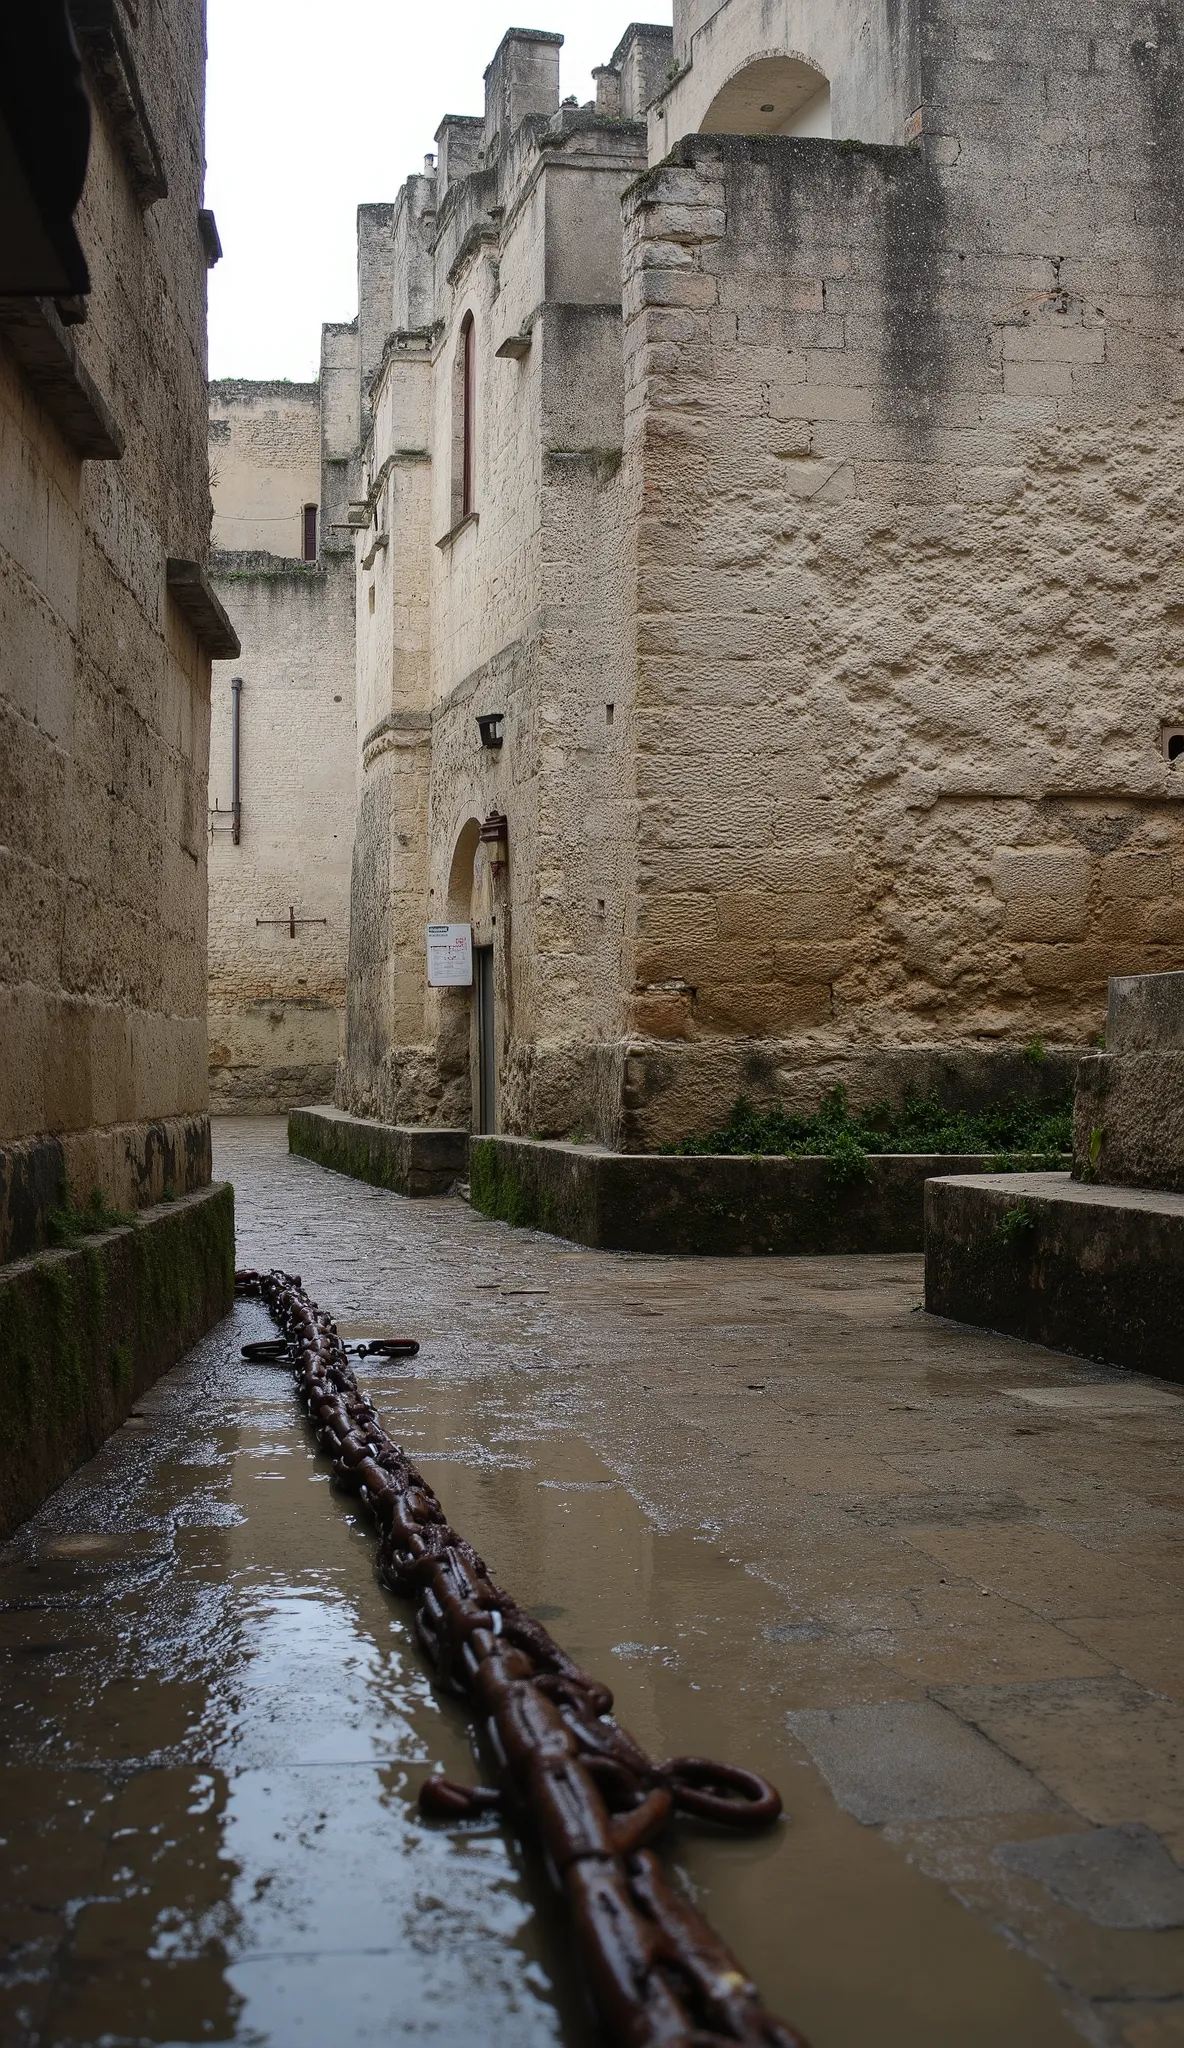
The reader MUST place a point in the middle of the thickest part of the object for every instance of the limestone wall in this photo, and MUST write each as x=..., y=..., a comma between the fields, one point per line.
x=518, y=610
x=869, y=54
x=903, y=439
x=823, y=566
x=265, y=464
x=277, y=1000
x=104, y=679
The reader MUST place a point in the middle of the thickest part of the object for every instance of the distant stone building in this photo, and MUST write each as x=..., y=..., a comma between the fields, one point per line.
x=282, y=757
x=107, y=628
x=783, y=452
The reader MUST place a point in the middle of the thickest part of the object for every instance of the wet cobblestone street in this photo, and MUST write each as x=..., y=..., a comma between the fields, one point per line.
x=929, y=1580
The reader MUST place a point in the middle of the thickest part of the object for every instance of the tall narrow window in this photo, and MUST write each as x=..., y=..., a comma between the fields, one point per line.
x=310, y=533
x=469, y=402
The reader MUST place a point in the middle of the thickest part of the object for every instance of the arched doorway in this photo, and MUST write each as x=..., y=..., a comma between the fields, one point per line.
x=478, y=897
x=772, y=96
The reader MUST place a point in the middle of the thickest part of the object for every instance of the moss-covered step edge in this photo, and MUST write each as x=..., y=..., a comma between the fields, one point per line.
x=1085, y=1268
x=413, y=1159
x=714, y=1203
x=84, y=1330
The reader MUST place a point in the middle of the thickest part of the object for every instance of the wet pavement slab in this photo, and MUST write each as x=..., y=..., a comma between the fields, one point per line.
x=927, y=1579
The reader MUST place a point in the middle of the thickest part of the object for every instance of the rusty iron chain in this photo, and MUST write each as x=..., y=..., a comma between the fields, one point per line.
x=571, y=1779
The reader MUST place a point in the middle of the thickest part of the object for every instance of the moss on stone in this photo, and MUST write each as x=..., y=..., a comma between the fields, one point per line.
x=408, y=1161
x=83, y=1330
x=498, y=1190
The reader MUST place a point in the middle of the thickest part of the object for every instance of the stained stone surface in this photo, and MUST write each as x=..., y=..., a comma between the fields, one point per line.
x=911, y=1760
x=737, y=1490
x=1120, y=1876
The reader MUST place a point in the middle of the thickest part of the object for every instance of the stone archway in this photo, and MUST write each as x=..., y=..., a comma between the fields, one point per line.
x=775, y=95
x=460, y=872
x=478, y=895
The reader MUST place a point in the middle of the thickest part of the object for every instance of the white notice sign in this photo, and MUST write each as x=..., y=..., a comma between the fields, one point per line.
x=450, y=956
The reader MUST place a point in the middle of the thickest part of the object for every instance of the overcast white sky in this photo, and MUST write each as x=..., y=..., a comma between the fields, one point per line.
x=315, y=105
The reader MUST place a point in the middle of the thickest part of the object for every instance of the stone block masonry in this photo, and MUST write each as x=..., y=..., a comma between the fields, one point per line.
x=412, y=1161
x=86, y=1329
x=108, y=627
x=1094, y=1264
x=708, y=1205
x=1095, y=1270
x=281, y=476
x=105, y=664
x=1128, y=1126
x=900, y=419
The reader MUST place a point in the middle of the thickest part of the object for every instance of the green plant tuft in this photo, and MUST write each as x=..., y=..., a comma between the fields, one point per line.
x=1015, y=1134
x=1017, y=1224
x=69, y=1222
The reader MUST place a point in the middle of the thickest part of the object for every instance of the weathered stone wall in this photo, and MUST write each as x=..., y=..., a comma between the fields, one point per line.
x=869, y=54
x=86, y=1328
x=265, y=463
x=518, y=610
x=104, y=680
x=829, y=588
x=277, y=1001
x=903, y=440
x=1128, y=1112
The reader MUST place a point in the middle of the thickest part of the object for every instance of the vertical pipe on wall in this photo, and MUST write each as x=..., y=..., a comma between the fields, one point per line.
x=236, y=795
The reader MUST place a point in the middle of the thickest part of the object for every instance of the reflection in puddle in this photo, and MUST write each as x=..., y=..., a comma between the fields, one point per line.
x=216, y=1725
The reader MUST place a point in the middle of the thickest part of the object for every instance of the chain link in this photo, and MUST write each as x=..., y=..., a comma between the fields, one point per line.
x=570, y=1778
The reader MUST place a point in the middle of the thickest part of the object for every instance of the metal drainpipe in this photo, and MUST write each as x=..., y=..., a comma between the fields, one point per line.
x=236, y=798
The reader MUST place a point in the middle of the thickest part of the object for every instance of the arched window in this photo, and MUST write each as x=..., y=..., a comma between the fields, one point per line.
x=465, y=422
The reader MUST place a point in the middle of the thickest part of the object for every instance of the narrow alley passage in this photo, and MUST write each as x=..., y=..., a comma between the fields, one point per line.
x=928, y=1580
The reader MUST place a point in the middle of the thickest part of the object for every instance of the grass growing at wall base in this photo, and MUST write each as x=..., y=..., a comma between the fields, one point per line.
x=70, y=1221
x=1014, y=1134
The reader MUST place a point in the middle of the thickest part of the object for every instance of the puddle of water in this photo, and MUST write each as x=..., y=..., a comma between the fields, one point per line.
x=845, y=1938
x=216, y=1723
x=207, y=1780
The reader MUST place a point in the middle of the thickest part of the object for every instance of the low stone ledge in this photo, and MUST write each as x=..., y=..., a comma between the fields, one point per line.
x=83, y=1331
x=1085, y=1268
x=647, y=1202
x=413, y=1159
x=134, y=1165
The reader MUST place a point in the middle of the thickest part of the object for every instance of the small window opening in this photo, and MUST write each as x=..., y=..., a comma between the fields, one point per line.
x=371, y=598
x=1172, y=741
x=609, y=713
x=310, y=533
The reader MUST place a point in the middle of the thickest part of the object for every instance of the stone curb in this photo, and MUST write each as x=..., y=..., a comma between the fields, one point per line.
x=84, y=1331
x=641, y=1202
x=714, y=1205
x=1095, y=1270
x=410, y=1159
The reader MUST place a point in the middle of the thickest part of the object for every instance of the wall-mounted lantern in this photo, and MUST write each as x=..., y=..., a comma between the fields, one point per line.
x=489, y=725
x=494, y=836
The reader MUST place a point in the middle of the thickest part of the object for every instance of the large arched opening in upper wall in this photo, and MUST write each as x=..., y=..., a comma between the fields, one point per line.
x=772, y=96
